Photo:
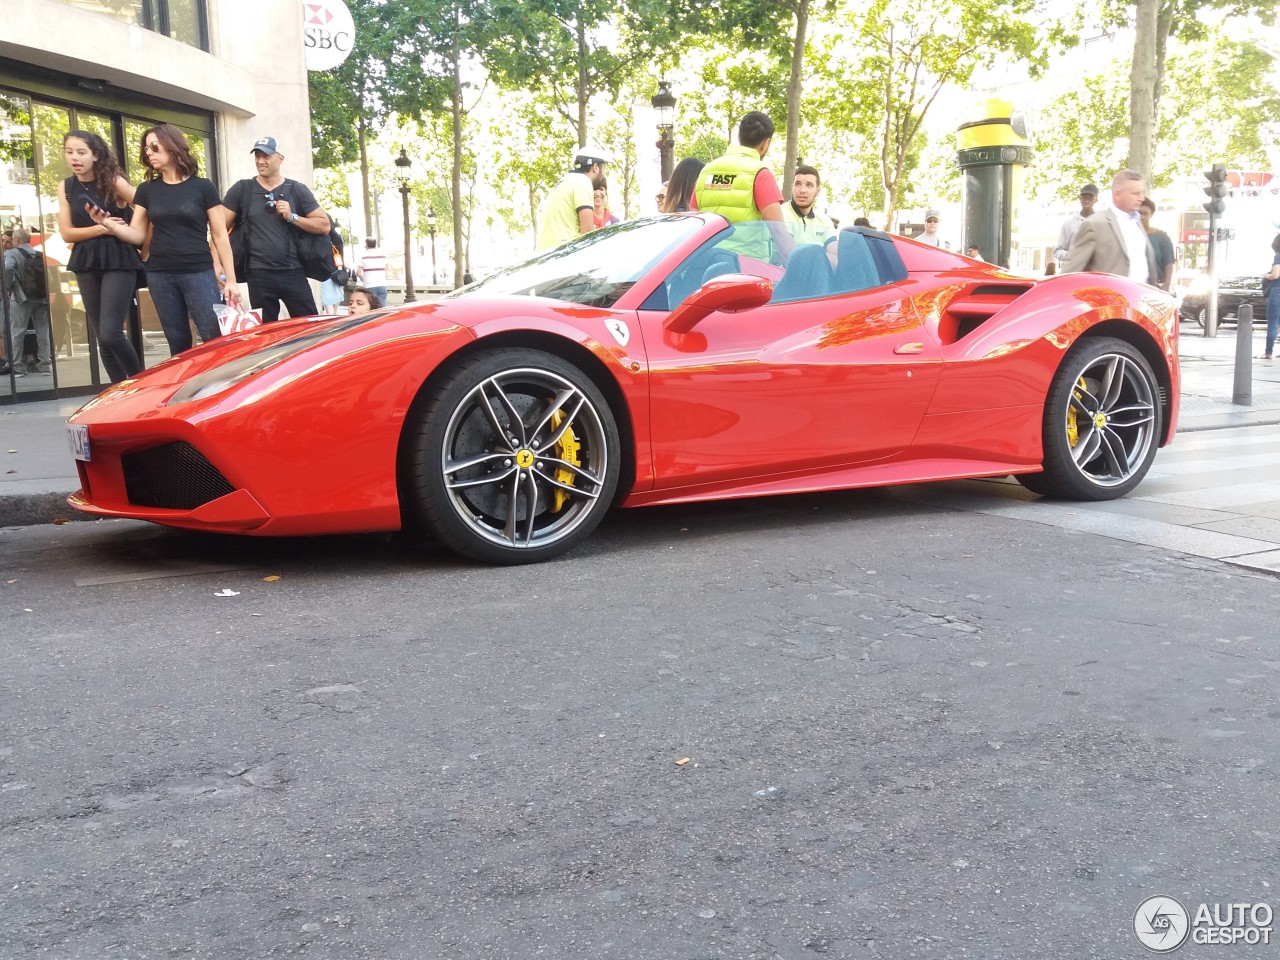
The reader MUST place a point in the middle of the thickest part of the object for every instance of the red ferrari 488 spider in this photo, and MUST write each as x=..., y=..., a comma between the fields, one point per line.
x=662, y=360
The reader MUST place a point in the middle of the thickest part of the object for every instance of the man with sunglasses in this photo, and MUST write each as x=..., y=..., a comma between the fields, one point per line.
x=269, y=208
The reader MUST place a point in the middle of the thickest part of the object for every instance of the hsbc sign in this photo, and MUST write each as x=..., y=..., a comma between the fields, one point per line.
x=328, y=33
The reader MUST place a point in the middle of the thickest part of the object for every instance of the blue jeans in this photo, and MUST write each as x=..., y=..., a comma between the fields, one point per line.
x=178, y=296
x=1273, y=315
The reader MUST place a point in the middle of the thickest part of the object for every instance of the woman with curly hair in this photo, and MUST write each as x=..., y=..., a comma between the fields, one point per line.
x=105, y=266
x=183, y=211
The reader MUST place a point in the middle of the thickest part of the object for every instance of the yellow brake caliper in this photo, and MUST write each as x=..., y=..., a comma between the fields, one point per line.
x=567, y=449
x=1073, y=432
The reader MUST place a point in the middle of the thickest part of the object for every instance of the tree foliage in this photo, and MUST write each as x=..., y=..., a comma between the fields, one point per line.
x=903, y=54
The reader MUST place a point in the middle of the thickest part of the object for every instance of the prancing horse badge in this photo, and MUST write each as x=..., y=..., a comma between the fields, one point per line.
x=621, y=332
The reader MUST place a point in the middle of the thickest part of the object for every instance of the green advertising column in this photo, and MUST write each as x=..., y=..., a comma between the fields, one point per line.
x=993, y=156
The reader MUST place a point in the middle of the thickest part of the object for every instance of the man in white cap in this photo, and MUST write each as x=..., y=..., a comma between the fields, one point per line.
x=568, y=210
x=268, y=207
x=930, y=235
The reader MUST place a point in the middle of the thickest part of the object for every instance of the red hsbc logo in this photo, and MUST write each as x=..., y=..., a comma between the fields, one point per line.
x=318, y=14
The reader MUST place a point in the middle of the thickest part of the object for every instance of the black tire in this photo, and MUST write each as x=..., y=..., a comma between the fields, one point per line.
x=481, y=479
x=1101, y=423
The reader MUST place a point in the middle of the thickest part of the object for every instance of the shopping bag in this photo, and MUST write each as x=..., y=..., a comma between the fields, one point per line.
x=235, y=320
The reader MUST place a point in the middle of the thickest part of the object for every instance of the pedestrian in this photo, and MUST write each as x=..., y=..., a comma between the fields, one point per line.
x=974, y=252
x=333, y=292
x=92, y=203
x=184, y=211
x=28, y=287
x=1112, y=240
x=741, y=188
x=677, y=193
x=568, y=210
x=804, y=222
x=862, y=222
x=372, y=269
x=1088, y=198
x=1160, y=243
x=267, y=208
x=932, y=220
x=362, y=301
x=600, y=215
x=1272, y=288
x=662, y=195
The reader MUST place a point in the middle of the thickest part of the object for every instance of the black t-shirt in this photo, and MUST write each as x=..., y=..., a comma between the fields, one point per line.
x=270, y=242
x=179, y=214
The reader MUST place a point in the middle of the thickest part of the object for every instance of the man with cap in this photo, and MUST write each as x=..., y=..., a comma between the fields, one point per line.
x=930, y=235
x=741, y=188
x=1088, y=197
x=268, y=208
x=569, y=210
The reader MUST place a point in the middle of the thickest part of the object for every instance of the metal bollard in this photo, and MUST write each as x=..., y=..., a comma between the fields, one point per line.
x=1242, y=392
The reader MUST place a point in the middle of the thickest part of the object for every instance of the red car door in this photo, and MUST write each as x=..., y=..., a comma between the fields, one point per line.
x=788, y=388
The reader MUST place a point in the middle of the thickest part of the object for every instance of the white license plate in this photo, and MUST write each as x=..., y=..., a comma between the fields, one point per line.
x=78, y=440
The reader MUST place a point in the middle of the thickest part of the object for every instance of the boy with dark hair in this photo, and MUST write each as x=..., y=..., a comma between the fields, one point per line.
x=740, y=188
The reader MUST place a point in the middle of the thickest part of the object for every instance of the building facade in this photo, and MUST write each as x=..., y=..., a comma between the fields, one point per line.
x=226, y=71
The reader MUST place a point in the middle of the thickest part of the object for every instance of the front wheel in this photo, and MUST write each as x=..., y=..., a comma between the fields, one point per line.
x=1101, y=423
x=514, y=457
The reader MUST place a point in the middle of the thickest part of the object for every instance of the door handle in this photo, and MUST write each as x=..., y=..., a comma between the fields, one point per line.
x=915, y=346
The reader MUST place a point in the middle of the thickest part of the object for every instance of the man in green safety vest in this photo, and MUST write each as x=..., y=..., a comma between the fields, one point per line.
x=567, y=211
x=740, y=188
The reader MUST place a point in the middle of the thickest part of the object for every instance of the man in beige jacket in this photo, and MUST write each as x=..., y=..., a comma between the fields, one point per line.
x=1113, y=240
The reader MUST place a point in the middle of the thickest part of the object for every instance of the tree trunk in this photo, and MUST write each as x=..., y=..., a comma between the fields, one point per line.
x=794, y=88
x=456, y=185
x=371, y=228
x=1142, y=91
x=583, y=92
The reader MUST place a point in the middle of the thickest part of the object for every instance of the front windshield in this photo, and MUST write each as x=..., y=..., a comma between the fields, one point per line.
x=595, y=269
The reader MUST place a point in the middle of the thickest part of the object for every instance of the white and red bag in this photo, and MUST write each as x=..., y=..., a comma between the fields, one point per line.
x=236, y=320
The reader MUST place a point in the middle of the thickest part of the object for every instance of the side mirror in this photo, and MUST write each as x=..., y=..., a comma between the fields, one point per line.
x=730, y=293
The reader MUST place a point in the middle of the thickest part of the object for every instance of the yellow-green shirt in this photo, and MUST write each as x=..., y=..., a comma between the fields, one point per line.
x=558, y=222
x=815, y=228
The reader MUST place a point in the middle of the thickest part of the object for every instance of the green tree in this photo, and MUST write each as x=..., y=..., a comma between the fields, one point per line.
x=569, y=50
x=1155, y=23
x=884, y=67
x=381, y=76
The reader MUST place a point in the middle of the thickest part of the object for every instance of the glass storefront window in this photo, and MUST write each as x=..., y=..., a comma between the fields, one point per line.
x=32, y=167
x=183, y=20
x=130, y=11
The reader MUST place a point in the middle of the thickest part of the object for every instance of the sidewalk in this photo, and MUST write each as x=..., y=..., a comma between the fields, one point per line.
x=37, y=472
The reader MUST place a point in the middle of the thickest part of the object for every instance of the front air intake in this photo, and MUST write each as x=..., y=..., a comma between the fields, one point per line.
x=175, y=476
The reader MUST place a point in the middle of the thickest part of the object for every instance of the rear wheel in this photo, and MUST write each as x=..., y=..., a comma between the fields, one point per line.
x=1101, y=423
x=514, y=457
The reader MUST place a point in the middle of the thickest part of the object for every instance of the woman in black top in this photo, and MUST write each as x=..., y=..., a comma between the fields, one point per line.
x=183, y=210
x=106, y=267
x=680, y=188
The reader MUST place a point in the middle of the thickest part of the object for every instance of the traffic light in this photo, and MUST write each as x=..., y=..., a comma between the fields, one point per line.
x=1217, y=189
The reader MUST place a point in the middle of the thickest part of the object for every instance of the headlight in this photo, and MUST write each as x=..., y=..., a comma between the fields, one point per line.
x=227, y=375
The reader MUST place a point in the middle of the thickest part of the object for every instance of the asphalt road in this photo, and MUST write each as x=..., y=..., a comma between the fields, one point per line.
x=909, y=732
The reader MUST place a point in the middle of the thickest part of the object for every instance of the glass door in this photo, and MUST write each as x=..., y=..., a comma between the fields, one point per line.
x=24, y=301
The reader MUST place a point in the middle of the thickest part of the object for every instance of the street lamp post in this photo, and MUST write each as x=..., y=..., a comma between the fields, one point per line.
x=431, y=226
x=403, y=163
x=665, y=104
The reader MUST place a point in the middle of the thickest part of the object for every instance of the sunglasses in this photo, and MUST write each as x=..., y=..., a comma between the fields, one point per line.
x=152, y=147
x=271, y=199
x=661, y=197
x=932, y=220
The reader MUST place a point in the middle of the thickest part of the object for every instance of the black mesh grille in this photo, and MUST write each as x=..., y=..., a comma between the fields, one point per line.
x=175, y=476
